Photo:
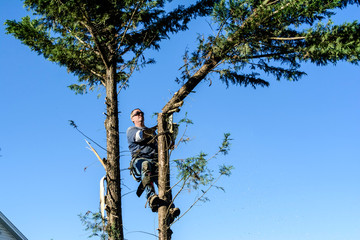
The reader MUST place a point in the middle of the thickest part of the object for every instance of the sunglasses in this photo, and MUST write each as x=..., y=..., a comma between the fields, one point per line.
x=138, y=114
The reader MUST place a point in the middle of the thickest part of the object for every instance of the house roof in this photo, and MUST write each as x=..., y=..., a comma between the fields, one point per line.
x=11, y=227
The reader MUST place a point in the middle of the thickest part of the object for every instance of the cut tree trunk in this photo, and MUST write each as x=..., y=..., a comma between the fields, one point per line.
x=164, y=178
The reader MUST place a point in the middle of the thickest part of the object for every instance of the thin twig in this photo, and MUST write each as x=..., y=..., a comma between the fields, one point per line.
x=177, y=194
x=144, y=233
x=128, y=193
x=132, y=69
x=182, y=179
x=185, y=180
x=122, y=85
x=196, y=200
x=178, y=143
x=75, y=126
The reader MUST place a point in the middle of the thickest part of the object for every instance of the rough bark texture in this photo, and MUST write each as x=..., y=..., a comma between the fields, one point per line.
x=164, y=178
x=113, y=196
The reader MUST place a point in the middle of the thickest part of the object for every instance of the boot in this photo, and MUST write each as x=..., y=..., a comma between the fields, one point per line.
x=154, y=202
x=173, y=213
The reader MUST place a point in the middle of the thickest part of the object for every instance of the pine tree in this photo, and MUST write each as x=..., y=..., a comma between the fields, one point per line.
x=256, y=39
x=102, y=42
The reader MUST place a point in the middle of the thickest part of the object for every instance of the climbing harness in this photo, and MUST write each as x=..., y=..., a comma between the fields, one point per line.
x=133, y=172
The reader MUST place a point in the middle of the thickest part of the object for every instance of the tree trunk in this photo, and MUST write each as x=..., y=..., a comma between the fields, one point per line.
x=113, y=197
x=164, y=178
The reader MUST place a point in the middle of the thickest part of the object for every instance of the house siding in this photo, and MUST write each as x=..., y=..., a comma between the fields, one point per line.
x=8, y=231
x=5, y=234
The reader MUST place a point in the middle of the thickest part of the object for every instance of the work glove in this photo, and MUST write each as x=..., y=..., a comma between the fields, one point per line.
x=149, y=132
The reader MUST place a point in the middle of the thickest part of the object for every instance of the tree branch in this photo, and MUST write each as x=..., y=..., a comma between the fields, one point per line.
x=196, y=200
x=93, y=33
x=81, y=41
x=101, y=78
x=129, y=22
x=96, y=154
x=271, y=3
x=287, y=39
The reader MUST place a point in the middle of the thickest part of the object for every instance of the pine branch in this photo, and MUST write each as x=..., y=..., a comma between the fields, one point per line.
x=134, y=61
x=95, y=36
x=98, y=75
x=81, y=41
x=129, y=23
x=287, y=39
x=272, y=3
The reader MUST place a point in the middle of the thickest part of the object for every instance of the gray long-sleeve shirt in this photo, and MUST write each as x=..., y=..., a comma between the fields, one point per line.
x=140, y=146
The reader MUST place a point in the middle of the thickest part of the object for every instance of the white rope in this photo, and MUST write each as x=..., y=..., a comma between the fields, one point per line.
x=102, y=197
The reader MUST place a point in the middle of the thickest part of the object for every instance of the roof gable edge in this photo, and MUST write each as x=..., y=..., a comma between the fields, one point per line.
x=11, y=227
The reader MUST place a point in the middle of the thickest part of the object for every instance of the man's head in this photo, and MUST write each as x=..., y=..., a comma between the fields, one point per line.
x=137, y=117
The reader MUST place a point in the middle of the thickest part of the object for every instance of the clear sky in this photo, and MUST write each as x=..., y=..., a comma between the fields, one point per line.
x=296, y=148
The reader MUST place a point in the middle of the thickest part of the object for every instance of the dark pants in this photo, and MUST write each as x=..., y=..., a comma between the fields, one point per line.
x=145, y=167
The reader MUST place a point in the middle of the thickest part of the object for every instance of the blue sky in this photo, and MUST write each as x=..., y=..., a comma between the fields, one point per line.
x=295, y=150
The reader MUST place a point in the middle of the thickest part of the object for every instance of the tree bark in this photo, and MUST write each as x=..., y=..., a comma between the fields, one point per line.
x=113, y=197
x=163, y=178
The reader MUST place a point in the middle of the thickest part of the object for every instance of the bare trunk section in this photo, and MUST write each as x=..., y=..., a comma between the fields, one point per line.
x=163, y=148
x=113, y=196
x=163, y=178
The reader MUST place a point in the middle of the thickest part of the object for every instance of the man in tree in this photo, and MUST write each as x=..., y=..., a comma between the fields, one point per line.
x=143, y=147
